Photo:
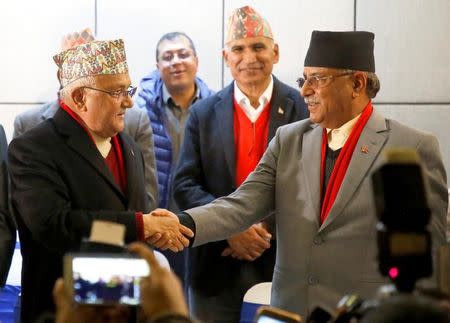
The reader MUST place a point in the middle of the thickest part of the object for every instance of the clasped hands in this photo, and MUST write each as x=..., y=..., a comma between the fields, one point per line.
x=163, y=230
x=250, y=244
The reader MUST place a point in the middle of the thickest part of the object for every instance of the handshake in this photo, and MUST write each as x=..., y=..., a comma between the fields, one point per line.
x=163, y=230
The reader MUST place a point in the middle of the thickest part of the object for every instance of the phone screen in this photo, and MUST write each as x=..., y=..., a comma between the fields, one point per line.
x=268, y=319
x=107, y=280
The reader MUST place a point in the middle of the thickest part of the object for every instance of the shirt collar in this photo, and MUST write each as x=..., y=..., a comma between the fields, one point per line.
x=166, y=95
x=337, y=137
x=244, y=101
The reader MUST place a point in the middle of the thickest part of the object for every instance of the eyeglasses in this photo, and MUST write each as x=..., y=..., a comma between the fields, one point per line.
x=315, y=81
x=168, y=57
x=117, y=93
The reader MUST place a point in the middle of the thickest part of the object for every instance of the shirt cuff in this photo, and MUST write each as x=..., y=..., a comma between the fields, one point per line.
x=187, y=221
x=140, y=226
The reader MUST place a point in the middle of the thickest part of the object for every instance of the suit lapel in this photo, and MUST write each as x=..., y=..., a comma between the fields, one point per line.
x=370, y=143
x=224, y=121
x=129, y=158
x=280, y=108
x=78, y=140
x=311, y=164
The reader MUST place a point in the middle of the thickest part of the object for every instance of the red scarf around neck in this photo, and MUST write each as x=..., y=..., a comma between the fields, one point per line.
x=114, y=141
x=340, y=168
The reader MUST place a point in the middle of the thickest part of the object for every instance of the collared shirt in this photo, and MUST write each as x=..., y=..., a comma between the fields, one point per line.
x=337, y=137
x=244, y=102
x=103, y=144
x=176, y=121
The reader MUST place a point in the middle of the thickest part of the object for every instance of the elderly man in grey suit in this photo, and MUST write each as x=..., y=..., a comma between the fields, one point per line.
x=137, y=123
x=316, y=176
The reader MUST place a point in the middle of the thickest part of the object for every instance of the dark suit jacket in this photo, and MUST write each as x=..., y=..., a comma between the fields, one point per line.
x=206, y=170
x=59, y=184
x=7, y=225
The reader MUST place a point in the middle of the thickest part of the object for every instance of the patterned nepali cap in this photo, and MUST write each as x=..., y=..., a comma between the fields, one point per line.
x=77, y=38
x=93, y=58
x=245, y=22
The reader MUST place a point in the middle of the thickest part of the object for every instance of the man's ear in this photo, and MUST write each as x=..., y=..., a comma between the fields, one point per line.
x=78, y=97
x=225, y=56
x=359, y=82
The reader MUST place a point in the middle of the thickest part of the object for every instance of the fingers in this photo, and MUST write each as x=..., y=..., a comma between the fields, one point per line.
x=262, y=232
x=143, y=251
x=163, y=212
x=60, y=295
x=227, y=252
x=154, y=238
x=186, y=231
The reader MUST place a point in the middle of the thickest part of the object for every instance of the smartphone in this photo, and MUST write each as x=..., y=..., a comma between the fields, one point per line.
x=104, y=279
x=267, y=314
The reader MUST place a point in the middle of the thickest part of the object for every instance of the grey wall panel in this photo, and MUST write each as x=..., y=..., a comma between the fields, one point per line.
x=292, y=22
x=430, y=118
x=31, y=33
x=7, y=114
x=141, y=23
x=412, y=48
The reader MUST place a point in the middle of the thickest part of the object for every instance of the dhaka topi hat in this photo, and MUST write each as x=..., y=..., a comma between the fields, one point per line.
x=245, y=22
x=105, y=57
x=77, y=38
x=341, y=49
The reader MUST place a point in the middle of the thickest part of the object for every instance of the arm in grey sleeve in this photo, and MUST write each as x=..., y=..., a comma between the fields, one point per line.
x=144, y=139
x=249, y=204
x=18, y=127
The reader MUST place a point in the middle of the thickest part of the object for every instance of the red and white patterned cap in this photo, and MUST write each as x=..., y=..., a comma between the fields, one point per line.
x=92, y=58
x=77, y=38
x=245, y=22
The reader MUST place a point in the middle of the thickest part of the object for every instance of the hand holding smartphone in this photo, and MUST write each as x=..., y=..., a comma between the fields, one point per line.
x=104, y=278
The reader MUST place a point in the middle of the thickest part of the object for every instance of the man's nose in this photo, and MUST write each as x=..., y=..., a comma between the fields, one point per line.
x=306, y=90
x=127, y=102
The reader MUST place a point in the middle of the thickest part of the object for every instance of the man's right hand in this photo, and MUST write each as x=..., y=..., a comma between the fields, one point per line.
x=248, y=245
x=163, y=230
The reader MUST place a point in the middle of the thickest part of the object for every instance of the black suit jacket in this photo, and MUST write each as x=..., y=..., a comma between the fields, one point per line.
x=7, y=225
x=59, y=184
x=206, y=171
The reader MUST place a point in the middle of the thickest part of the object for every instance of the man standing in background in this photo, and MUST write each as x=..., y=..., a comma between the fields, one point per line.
x=225, y=137
x=167, y=94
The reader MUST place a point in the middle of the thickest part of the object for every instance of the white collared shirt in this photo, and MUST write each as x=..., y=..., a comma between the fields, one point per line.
x=103, y=144
x=244, y=102
x=337, y=137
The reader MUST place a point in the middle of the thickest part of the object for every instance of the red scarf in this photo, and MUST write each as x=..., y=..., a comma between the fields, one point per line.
x=340, y=168
x=114, y=141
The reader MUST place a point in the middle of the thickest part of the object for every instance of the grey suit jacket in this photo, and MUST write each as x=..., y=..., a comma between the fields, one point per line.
x=137, y=126
x=317, y=265
x=7, y=223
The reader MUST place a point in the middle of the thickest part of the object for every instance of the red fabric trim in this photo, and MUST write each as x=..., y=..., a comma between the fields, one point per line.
x=76, y=117
x=250, y=140
x=114, y=142
x=122, y=174
x=140, y=226
x=340, y=168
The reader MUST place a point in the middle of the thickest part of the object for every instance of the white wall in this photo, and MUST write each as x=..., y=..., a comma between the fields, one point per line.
x=411, y=46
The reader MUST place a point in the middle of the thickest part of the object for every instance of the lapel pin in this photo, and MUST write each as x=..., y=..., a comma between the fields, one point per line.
x=280, y=110
x=364, y=149
x=132, y=152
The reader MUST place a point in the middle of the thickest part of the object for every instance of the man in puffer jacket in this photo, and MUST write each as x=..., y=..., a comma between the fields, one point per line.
x=166, y=94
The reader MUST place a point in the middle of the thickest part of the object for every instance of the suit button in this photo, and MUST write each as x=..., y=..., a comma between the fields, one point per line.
x=312, y=280
x=318, y=240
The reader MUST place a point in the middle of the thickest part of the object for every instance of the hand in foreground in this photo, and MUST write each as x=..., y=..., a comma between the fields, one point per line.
x=248, y=245
x=163, y=230
x=161, y=292
x=68, y=312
